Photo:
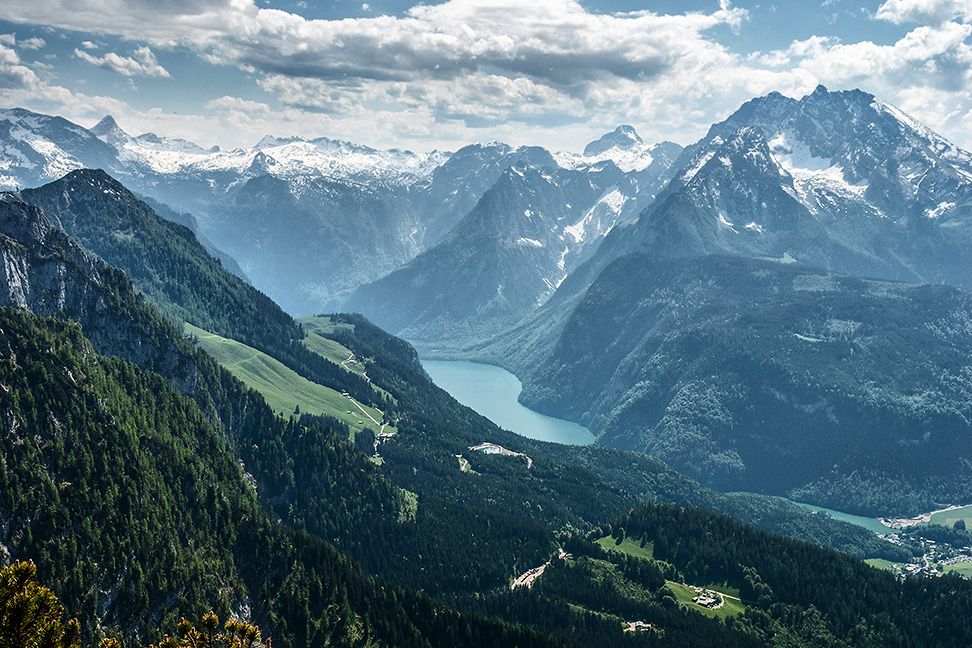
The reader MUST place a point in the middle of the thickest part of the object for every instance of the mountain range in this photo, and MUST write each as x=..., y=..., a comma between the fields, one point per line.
x=763, y=310
x=105, y=412
x=503, y=254
x=309, y=221
x=837, y=185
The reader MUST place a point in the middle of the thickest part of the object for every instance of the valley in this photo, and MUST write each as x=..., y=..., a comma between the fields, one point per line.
x=779, y=310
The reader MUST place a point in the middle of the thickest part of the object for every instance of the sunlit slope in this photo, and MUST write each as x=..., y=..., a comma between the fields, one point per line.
x=282, y=387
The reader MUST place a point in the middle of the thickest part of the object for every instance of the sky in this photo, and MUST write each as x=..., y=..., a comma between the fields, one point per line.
x=439, y=75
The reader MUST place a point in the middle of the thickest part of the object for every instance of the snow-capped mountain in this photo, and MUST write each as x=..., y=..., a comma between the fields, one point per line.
x=351, y=204
x=283, y=157
x=835, y=180
x=36, y=148
x=311, y=220
x=852, y=147
x=839, y=180
x=503, y=260
x=309, y=240
x=625, y=148
x=743, y=326
x=527, y=233
x=624, y=137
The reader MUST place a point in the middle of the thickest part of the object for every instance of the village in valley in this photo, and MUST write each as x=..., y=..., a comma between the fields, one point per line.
x=939, y=540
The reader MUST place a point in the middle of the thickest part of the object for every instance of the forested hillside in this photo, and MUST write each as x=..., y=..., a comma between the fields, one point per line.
x=137, y=512
x=167, y=263
x=441, y=428
x=755, y=375
x=261, y=515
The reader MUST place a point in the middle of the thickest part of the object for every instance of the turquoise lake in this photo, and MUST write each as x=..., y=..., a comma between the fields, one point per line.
x=492, y=391
x=871, y=524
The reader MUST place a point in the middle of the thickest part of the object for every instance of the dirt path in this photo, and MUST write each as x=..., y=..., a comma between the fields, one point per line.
x=366, y=413
x=526, y=579
x=350, y=360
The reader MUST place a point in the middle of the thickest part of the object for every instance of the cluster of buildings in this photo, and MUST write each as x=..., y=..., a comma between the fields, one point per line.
x=935, y=559
x=708, y=599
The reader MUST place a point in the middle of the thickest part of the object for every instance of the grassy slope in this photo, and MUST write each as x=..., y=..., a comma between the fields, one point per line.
x=949, y=518
x=881, y=563
x=283, y=388
x=962, y=569
x=628, y=546
x=683, y=593
x=316, y=328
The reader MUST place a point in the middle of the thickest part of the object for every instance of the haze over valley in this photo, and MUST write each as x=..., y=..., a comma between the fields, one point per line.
x=729, y=287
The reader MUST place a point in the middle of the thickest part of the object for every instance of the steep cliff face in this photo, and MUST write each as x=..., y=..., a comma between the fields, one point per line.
x=45, y=272
x=36, y=256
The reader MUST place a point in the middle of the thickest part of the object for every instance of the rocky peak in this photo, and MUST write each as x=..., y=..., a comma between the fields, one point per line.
x=108, y=130
x=623, y=137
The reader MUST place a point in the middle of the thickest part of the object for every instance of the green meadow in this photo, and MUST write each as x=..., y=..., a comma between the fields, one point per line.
x=949, y=518
x=684, y=594
x=628, y=546
x=282, y=387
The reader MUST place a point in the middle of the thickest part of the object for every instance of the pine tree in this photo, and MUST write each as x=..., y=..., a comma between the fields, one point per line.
x=30, y=614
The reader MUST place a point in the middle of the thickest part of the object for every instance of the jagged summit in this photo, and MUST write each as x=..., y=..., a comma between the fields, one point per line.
x=38, y=148
x=106, y=125
x=268, y=141
x=110, y=132
x=839, y=180
x=623, y=137
x=262, y=164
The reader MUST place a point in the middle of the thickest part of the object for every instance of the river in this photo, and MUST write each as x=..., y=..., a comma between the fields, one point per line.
x=492, y=391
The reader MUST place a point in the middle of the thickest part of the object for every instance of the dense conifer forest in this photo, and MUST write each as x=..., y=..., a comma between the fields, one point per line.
x=147, y=484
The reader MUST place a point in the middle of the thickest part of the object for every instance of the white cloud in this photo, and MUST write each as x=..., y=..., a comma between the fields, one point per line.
x=33, y=43
x=11, y=40
x=928, y=56
x=20, y=86
x=545, y=50
x=466, y=70
x=141, y=63
x=933, y=12
x=485, y=62
x=14, y=75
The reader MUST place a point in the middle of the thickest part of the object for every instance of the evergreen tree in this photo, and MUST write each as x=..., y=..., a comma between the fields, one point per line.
x=30, y=614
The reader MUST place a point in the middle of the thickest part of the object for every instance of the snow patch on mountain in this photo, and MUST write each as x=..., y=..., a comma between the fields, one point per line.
x=283, y=157
x=940, y=209
x=529, y=241
x=816, y=180
x=631, y=160
x=797, y=159
x=725, y=222
x=697, y=164
x=56, y=163
x=600, y=218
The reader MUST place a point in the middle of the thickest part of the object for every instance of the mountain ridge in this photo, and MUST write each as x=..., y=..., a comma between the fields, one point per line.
x=494, y=510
